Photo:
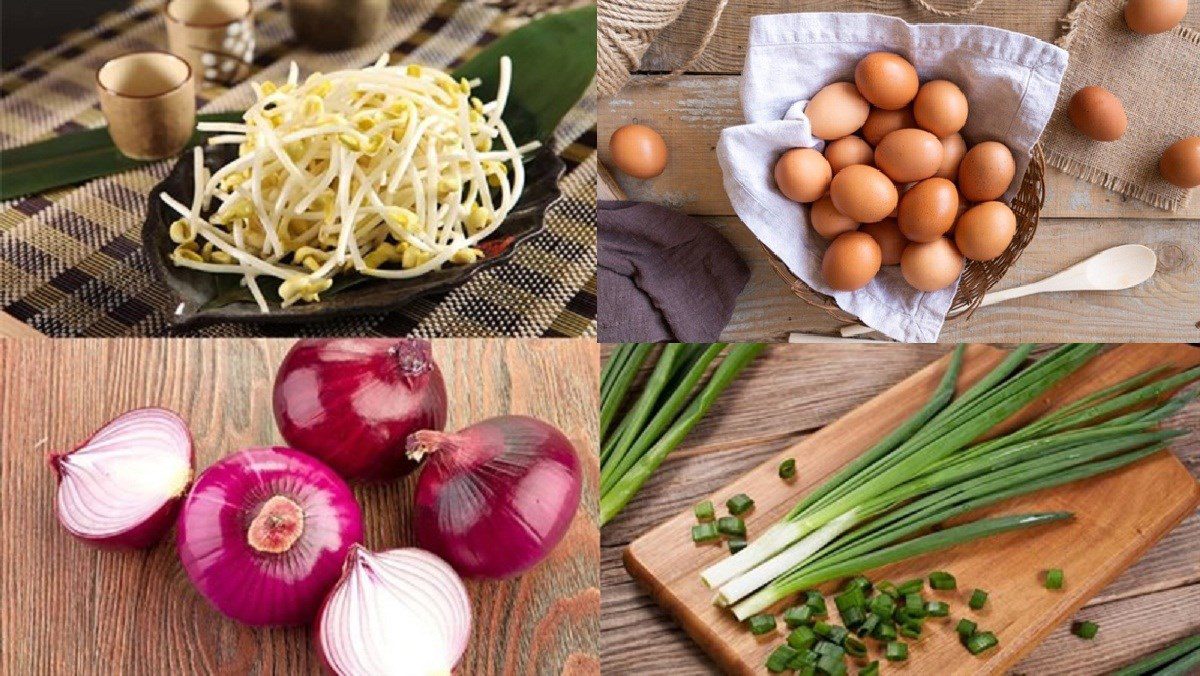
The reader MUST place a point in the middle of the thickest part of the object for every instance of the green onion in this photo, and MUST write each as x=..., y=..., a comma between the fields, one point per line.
x=910, y=630
x=871, y=669
x=831, y=665
x=829, y=648
x=886, y=631
x=705, y=532
x=797, y=616
x=851, y=598
x=978, y=599
x=937, y=609
x=787, y=469
x=868, y=625
x=823, y=629
x=739, y=504
x=896, y=651
x=805, y=662
x=731, y=525
x=780, y=659
x=911, y=587
x=854, y=617
x=621, y=380
x=883, y=605
x=736, y=544
x=816, y=601
x=838, y=634
x=1054, y=578
x=802, y=638
x=863, y=584
x=886, y=587
x=854, y=647
x=705, y=511
x=942, y=581
x=761, y=624
x=979, y=642
x=965, y=628
x=1085, y=630
x=914, y=605
x=1181, y=655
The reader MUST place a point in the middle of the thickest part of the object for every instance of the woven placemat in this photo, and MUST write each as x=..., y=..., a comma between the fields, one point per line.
x=1157, y=78
x=71, y=262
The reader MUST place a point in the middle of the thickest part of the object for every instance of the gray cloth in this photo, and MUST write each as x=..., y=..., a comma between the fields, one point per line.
x=663, y=275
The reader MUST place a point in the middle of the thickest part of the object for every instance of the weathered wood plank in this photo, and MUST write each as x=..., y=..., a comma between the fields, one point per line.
x=1162, y=309
x=71, y=609
x=691, y=111
x=11, y=327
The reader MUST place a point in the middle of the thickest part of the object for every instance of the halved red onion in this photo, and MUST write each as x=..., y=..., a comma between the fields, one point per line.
x=121, y=487
x=494, y=498
x=353, y=402
x=402, y=611
x=264, y=532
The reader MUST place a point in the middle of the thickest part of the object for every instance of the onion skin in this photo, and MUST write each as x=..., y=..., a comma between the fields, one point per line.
x=494, y=498
x=353, y=402
x=408, y=597
x=257, y=587
x=148, y=531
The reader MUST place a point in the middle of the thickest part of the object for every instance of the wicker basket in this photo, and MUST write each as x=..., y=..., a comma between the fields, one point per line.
x=977, y=277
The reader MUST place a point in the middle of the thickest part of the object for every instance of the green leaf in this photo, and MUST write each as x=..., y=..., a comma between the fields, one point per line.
x=554, y=60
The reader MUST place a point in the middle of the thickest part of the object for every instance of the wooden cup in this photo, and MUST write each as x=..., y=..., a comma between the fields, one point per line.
x=216, y=37
x=328, y=25
x=149, y=101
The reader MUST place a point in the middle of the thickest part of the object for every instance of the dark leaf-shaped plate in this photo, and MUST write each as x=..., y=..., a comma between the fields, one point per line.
x=206, y=297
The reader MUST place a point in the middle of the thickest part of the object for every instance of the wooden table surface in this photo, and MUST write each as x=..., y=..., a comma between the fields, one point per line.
x=792, y=391
x=1079, y=219
x=67, y=608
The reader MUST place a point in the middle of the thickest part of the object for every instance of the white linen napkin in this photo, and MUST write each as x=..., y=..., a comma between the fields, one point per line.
x=1011, y=82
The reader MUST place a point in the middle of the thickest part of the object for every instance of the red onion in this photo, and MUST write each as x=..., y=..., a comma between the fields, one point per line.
x=403, y=611
x=495, y=497
x=353, y=402
x=264, y=532
x=121, y=487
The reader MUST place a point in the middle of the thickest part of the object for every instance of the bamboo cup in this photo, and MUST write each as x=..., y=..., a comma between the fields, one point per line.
x=327, y=25
x=216, y=37
x=149, y=101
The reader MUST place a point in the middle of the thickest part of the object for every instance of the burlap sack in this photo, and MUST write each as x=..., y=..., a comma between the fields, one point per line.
x=1157, y=78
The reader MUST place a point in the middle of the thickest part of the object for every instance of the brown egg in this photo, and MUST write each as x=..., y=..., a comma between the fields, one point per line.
x=828, y=221
x=851, y=261
x=1098, y=114
x=863, y=193
x=1154, y=16
x=802, y=174
x=837, y=110
x=886, y=80
x=985, y=230
x=931, y=266
x=986, y=171
x=908, y=155
x=891, y=241
x=846, y=151
x=940, y=108
x=638, y=151
x=882, y=122
x=1180, y=163
x=953, y=149
x=928, y=210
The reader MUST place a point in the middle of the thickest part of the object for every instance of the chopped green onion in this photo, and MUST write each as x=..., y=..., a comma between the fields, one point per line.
x=886, y=587
x=838, y=634
x=868, y=625
x=942, y=581
x=739, y=504
x=965, y=628
x=731, y=525
x=802, y=638
x=798, y=615
x=871, y=669
x=886, y=631
x=883, y=605
x=911, y=629
x=977, y=643
x=855, y=647
x=911, y=587
x=851, y=598
x=787, y=469
x=854, y=617
x=780, y=659
x=896, y=651
x=830, y=648
x=814, y=600
x=831, y=665
x=1054, y=578
x=823, y=629
x=761, y=624
x=937, y=609
x=705, y=532
x=863, y=584
x=978, y=599
x=914, y=606
x=1085, y=629
x=804, y=659
x=705, y=511
x=736, y=544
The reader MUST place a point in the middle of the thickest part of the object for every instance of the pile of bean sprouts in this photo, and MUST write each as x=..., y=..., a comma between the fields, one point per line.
x=389, y=171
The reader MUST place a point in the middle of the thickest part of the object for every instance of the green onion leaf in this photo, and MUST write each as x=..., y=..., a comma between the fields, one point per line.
x=802, y=638
x=736, y=544
x=1086, y=630
x=787, y=469
x=780, y=659
x=731, y=525
x=761, y=624
x=855, y=647
x=911, y=587
x=739, y=504
x=1054, y=578
x=965, y=628
x=981, y=641
x=942, y=581
x=704, y=511
x=978, y=599
x=896, y=651
x=797, y=616
x=705, y=532
x=937, y=609
x=871, y=669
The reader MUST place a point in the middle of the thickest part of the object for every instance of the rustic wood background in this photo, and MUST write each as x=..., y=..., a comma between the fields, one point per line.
x=786, y=395
x=1078, y=220
x=66, y=608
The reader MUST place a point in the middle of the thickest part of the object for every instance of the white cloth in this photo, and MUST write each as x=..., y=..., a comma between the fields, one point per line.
x=1011, y=82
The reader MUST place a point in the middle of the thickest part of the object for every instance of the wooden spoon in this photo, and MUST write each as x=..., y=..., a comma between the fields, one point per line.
x=1121, y=267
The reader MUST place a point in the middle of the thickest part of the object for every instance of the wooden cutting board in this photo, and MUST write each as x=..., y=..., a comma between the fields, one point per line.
x=1118, y=517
